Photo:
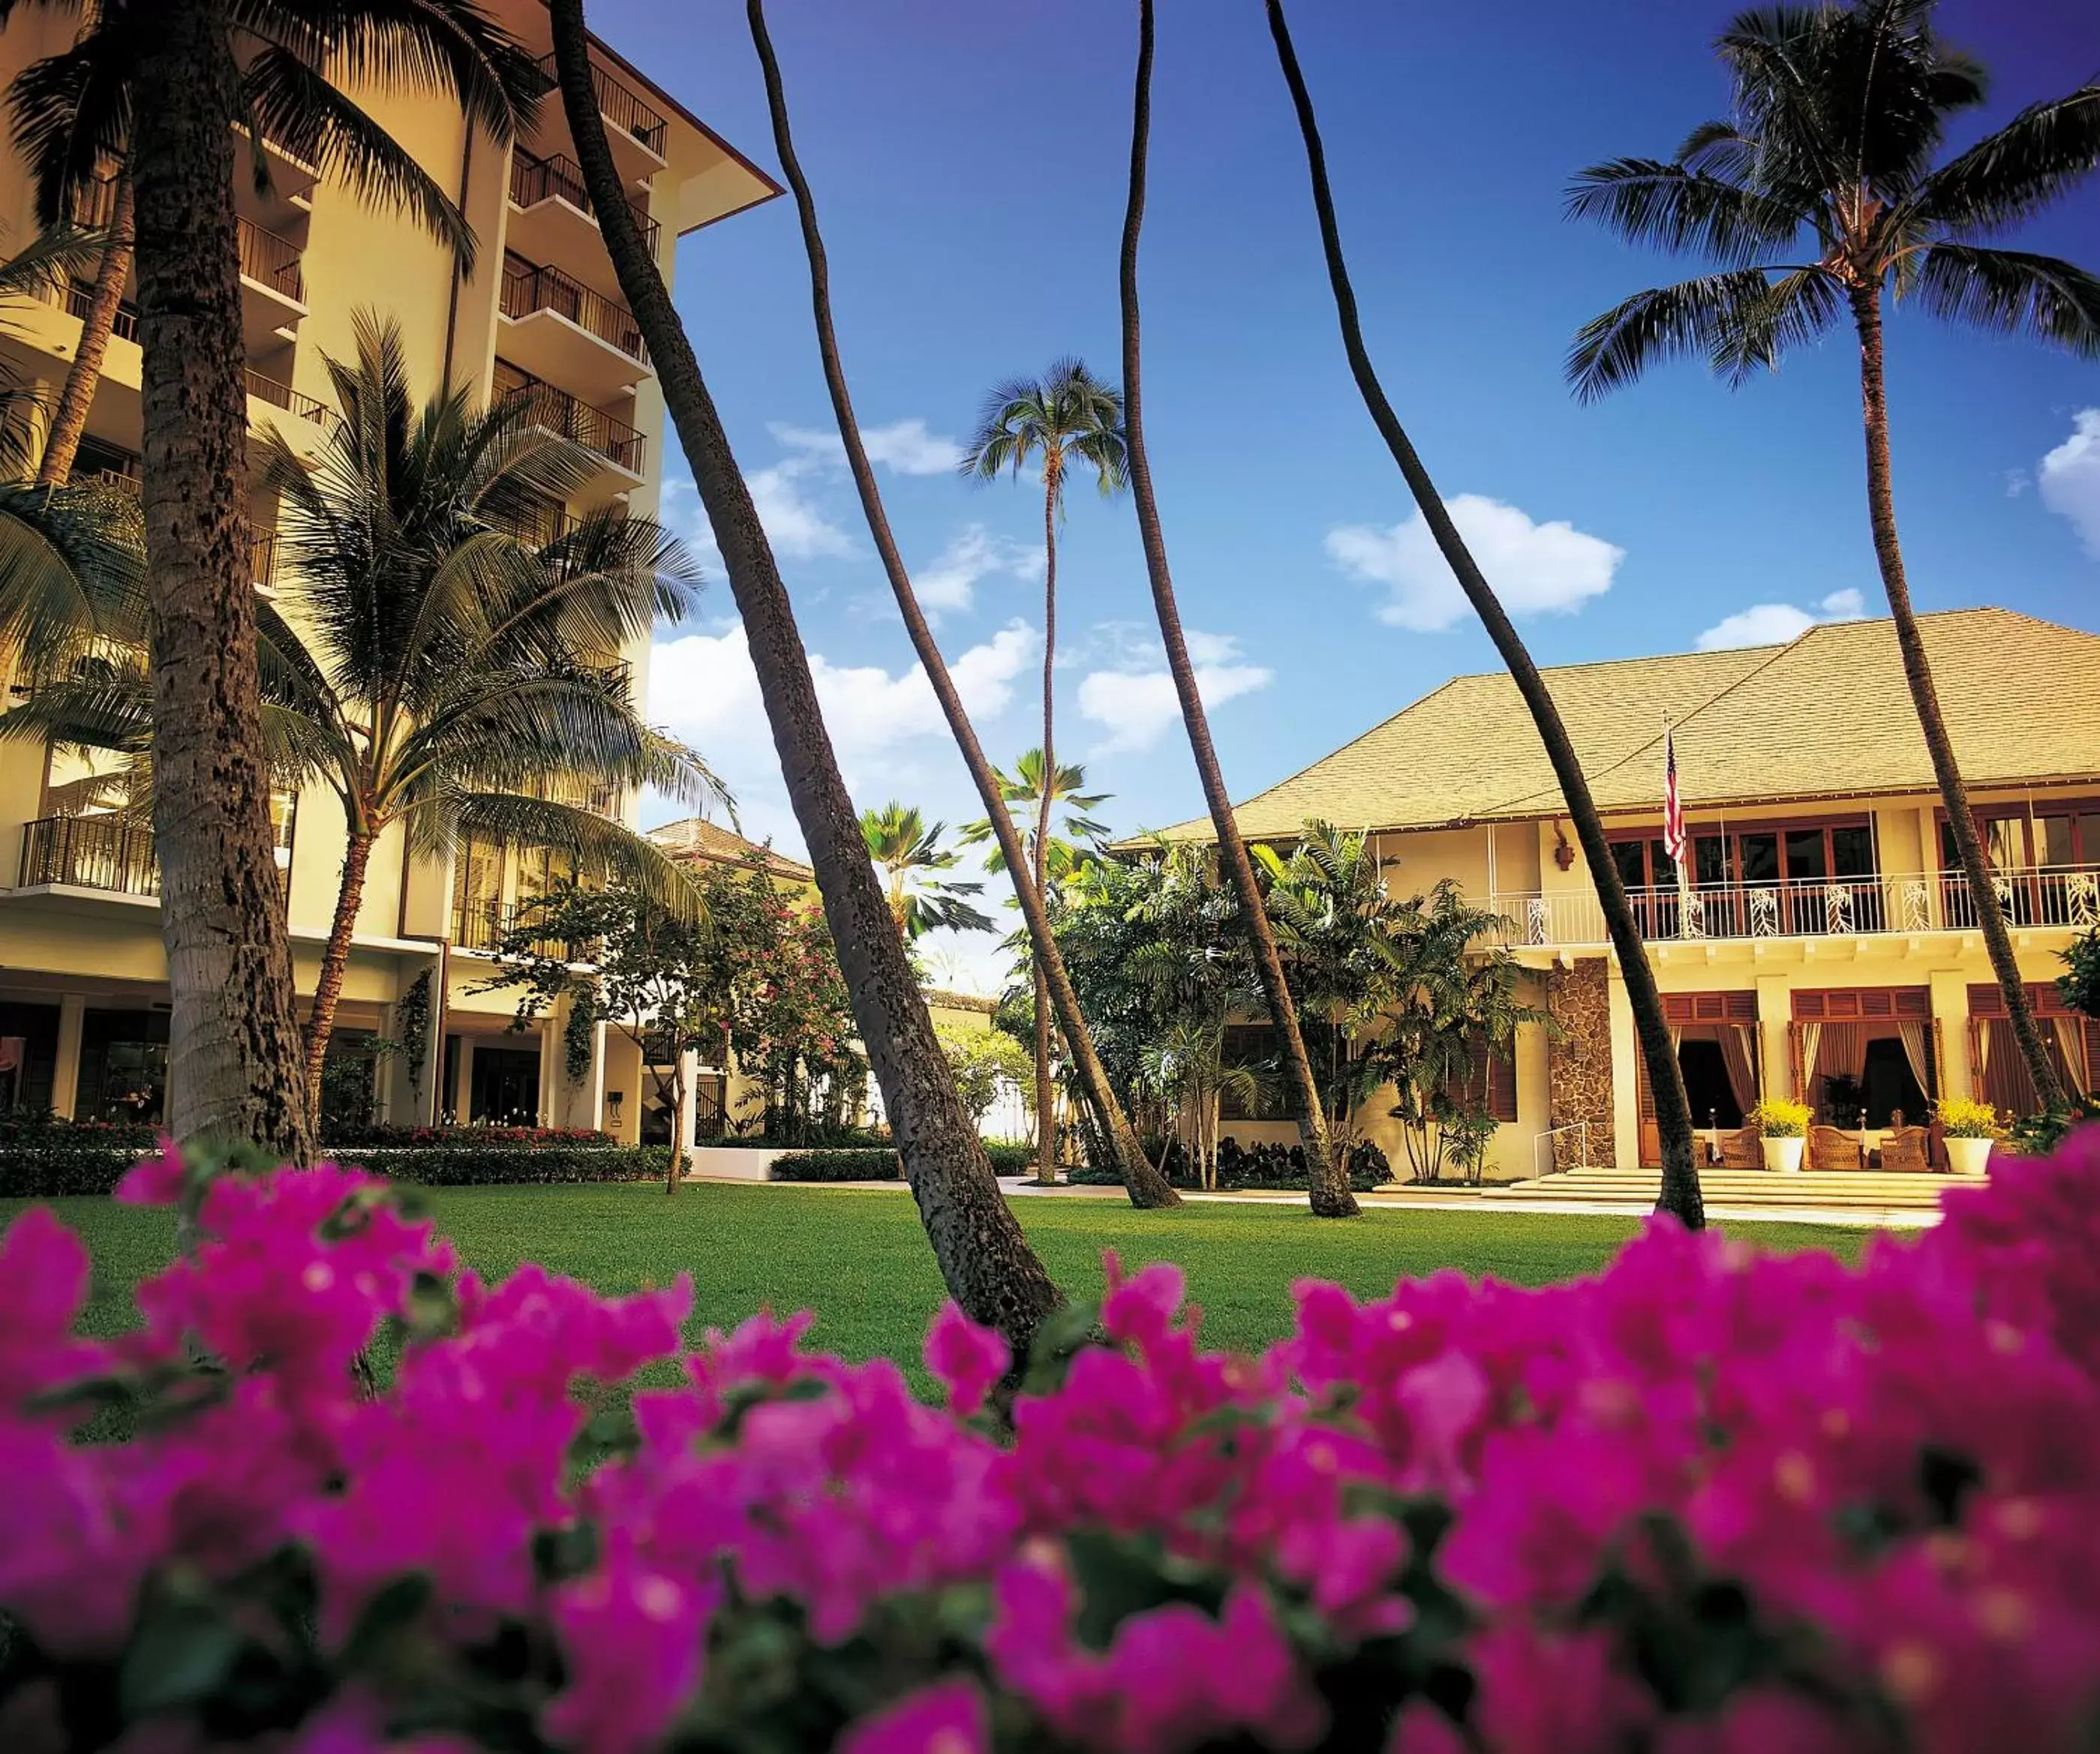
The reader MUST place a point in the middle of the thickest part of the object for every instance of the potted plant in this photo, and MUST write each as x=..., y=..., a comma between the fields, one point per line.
x=1971, y=1129
x=1783, y=1127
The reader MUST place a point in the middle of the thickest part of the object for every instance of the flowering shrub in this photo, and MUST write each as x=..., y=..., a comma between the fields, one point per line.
x=1781, y=1117
x=1960, y=1117
x=1709, y=1502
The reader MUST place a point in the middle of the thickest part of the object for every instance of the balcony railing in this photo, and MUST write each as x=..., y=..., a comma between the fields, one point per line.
x=527, y=287
x=271, y=260
x=263, y=560
x=597, y=431
x=483, y=925
x=534, y=180
x=95, y=202
x=80, y=298
x=284, y=396
x=619, y=106
x=91, y=853
x=2060, y=895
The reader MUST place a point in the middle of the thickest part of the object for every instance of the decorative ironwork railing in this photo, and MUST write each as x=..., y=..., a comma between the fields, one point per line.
x=604, y=434
x=91, y=853
x=271, y=260
x=527, y=287
x=619, y=106
x=560, y=178
x=2056, y=896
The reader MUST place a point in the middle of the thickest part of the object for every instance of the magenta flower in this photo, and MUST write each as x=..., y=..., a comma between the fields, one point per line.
x=966, y=1359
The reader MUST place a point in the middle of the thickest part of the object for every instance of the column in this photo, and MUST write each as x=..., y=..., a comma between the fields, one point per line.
x=553, y=1075
x=65, y=1076
x=464, y=1091
x=683, y=1122
x=596, y=1088
x=1949, y=991
x=1774, y=1046
x=1626, y=1058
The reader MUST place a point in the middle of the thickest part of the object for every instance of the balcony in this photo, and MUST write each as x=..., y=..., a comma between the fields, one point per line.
x=635, y=131
x=557, y=329
x=480, y=926
x=273, y=288
x=603, y=439
x=105, y=852
x=284, y=396
x=80, y=297
x=552, y=219
x=2061, y=897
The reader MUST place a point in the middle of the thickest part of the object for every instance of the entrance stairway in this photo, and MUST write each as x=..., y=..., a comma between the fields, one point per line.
x=1865, y=1190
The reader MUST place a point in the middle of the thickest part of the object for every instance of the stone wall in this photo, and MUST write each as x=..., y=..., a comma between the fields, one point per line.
x=1579, y=1060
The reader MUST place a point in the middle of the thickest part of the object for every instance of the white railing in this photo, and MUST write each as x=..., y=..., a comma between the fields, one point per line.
x=2064, y=896
x=1544, y=1147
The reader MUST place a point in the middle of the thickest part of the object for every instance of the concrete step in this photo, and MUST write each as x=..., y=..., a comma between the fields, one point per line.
x=1844, y=1189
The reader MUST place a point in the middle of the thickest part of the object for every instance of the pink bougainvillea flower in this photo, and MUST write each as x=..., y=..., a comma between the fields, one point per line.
x=947, y=1718
x=966, y=1359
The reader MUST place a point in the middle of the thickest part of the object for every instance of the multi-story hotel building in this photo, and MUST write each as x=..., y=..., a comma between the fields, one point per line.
x=1825, y=946
x=83, y=1017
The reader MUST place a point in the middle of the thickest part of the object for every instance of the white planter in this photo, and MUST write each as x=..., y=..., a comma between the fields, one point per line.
x=1783, y=1156
x=1967, y=1156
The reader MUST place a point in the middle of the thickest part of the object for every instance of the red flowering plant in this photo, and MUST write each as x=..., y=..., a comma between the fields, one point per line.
x=1710, y=1501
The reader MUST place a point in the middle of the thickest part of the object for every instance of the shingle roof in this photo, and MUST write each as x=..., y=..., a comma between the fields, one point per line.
x=696, y=838
x=1827, y=715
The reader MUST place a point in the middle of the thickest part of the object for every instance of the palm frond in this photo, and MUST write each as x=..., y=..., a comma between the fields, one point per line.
x=602, y=849
x=2010, y=176
x=2013, y=292
x=72, y=113
x=1704, y=316
x=1648, y=201
x=1795, y=309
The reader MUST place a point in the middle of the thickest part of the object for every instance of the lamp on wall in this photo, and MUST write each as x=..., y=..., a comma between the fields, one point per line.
x=613, y=1099
x=1564, y=855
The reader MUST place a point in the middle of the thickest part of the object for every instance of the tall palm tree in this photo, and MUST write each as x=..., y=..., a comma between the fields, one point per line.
x=1040, y=791
x=1146, y=1187
x=908, y=849
x=1327, y=1174
x=1680, y=1194
x=112, y=273
x=1065, y=419
x=984, y=1259
x=426, y=663
x=1816, y=197
x=49, y=263
x=166, y=82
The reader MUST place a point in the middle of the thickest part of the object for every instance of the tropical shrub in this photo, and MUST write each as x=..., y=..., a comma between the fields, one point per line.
x=381, y=1136
x=1781, y=1117
x=471, y=1165
x=1707, y=1502
x=1959, y=1118
x=44, y=1157
x=880, y=1164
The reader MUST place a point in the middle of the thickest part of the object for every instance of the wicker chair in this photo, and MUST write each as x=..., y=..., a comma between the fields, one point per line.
x=1906, y=1147
x=1743, y=1149
x=1832, y=1147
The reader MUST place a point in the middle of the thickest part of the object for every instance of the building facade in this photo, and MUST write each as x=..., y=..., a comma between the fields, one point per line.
x=83, y=994
x=1824, y=946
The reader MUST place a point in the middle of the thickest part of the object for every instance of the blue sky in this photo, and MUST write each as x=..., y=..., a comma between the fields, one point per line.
x=968, y=164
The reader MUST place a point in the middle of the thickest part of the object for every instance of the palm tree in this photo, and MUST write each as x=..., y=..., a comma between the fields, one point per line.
x=112, y=273
x=1818, y=195
x=429, y=665
x=1680, y=1195
x=984, y=1259
x=1327, y=1174
x=167, y=85
x=1041, y=790
x=1146, y=1187
x=908, y=849
x=49, y=263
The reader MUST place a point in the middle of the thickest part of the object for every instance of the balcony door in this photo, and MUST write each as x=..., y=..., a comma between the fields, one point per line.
x=2045, y=863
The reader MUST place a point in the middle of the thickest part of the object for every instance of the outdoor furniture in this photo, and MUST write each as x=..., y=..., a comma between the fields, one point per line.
x=1906, y=1147
x=1832, y=1147
x=1743, y=1149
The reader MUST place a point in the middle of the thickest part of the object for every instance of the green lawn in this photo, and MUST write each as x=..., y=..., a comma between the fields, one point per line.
x=858, y=1257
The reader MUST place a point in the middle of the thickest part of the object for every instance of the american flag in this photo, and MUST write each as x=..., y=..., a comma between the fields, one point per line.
x=1672, y=803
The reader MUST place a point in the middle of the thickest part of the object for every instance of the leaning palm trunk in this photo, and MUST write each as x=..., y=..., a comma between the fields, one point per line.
x=1680, y=1195
x=983, y=1257
x=1147, y=1186
x=69, y=420
x=335, y=963
x=1327, y=1176
x=235, y=1067
x=1046, y=1133
x=1917, y=672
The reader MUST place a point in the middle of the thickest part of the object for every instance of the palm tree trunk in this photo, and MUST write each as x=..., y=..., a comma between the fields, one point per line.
x=70, y=420
x=1680, y=1195
x=335, y=963
x=235, y=1071
x=1918, y=673
x=983, y=1257
x=1329, y=1179
x=1046, y=1134
x=1147, y=1187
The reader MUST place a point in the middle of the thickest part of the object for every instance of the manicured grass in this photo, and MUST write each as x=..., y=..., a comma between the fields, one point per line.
x=860, y=1259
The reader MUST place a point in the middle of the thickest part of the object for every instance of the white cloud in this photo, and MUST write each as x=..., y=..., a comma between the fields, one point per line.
x=1136, y=704
x=2069, y=478
x=1776, y=623
x=1535, y=568
x=950, y=581
x=795, y=527
x=906, y=446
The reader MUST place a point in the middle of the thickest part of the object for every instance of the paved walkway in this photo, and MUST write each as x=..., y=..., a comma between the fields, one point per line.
x=1430, y=1200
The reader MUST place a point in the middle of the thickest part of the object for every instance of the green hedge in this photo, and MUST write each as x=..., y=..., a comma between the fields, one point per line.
x=882, y=1165
x=510, y=1165
x=44, y=1158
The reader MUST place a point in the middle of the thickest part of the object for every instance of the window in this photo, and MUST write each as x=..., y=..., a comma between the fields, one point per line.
x=1254, y=1044
x=123, y=1066
x=1490, y=1082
